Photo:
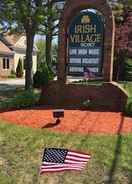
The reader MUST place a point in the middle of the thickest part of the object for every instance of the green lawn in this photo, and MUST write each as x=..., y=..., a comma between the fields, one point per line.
x=21, y=150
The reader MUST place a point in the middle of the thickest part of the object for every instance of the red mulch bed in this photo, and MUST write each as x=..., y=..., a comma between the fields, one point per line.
x=81, y=121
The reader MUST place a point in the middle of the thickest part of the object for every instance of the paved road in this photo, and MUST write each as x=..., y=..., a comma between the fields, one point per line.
x=8, y=84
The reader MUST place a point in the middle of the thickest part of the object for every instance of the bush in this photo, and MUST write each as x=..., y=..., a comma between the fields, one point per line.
x=42, y=77
x=128, y=107
x=19, y=69
x=25, y=99
x=12, y=75
x=128, y=69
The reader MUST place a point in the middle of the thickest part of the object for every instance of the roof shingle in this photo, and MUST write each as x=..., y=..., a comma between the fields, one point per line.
x=4, y=48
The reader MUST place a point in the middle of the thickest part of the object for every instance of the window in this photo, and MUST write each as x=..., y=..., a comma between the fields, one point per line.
x=6, y=64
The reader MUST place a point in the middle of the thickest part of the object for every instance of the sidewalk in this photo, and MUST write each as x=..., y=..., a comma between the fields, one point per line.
x=9, y=84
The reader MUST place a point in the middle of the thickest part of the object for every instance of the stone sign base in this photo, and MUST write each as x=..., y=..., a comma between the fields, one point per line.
x=109, y=96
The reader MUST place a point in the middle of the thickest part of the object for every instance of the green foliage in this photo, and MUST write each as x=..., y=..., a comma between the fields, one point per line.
x=40, y=44
x=12, y=75
x=30, y=17
x=42, y=76
x=127, y=86
x=19, y=69
x=24, y=99
x=41, y=55
x=128, y=107
x=128, y=69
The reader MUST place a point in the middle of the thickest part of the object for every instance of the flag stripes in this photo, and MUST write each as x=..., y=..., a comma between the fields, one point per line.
x=56, y=160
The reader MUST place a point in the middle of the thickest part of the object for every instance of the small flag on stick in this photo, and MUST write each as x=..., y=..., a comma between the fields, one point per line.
x=57, y=160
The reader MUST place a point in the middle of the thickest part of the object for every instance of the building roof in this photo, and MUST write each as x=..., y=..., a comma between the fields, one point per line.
x=4, y=49
x=12, y=38
x=15, y=42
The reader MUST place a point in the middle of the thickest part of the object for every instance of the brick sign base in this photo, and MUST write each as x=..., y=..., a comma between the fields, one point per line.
x=108, y=96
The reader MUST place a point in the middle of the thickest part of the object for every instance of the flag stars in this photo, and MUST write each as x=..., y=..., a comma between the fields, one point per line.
x=54, y=155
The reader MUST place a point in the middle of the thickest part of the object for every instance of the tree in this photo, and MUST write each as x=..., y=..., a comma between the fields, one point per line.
x=29, y=16
x=41, y=53
x=40, y=44
x=50, y=27
x=5, y=16
x=124, y=34
x=26, y=16
x=19, y=69
x=123, y=42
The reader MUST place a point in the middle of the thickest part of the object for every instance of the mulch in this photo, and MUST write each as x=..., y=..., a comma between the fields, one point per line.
x=79, y=121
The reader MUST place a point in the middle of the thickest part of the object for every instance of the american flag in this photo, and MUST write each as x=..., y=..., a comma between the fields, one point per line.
x=56, y=160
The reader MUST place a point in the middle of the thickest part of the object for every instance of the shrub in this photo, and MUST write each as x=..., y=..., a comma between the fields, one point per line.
x=25, y=99
x=12, y=75
x=42, y=76
x=128, y=107
x=128, y=69
x=19, y=69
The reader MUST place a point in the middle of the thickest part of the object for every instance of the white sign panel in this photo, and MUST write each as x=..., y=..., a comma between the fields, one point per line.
x=73, y=51
x=75, y=60
x=82, y=51
x=90, y=60
x=76, y=69
x=94, y=51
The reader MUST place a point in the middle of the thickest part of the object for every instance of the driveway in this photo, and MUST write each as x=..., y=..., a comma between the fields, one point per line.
x=9, y=84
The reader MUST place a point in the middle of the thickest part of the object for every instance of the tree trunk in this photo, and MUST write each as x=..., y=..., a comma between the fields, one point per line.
x=49, y=39
x=29, y=52
x=48, y=50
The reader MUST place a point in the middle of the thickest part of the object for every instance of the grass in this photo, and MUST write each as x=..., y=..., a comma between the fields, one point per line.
x=21, y=151
x=127, y=86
